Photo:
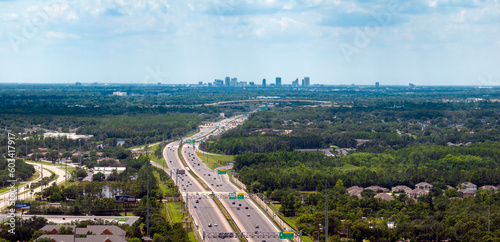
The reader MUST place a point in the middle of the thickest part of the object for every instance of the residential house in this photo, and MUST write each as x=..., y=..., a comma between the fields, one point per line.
x=54, y=229
x=355, y=191
x=100, y=230
x=489, y=187
x=384, y=196
x=469, y=186
x=424, y=186
x=417, y=192
x=378, y=189
x=59, y=237
x=466, y=193
x=401, y=188
x=101, y=238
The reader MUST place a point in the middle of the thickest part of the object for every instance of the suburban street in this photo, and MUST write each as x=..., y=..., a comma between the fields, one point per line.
x=22, y=189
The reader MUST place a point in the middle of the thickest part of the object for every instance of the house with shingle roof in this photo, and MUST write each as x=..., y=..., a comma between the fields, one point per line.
x=417, y=192
x=59, y=237
x=378, y=189
x=489, y=187
x=469, y=186
x=54, y=229
x=101, y=238
x=424, y=186
x=466, y=193
x=384, y=196
x=401, y=188
x=355, y=191
x=101, y=230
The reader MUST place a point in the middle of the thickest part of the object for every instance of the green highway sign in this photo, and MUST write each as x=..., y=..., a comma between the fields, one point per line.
x=222, y=127
x=221, y=172
x=286, y=235
x=232, y=195
x=188, y=141
x=241, y=195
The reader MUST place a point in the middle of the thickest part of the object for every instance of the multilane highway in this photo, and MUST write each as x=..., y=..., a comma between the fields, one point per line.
x=205, y=212
x=247, y=215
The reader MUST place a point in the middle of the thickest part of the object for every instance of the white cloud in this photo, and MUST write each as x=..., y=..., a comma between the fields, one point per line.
x=57, y=35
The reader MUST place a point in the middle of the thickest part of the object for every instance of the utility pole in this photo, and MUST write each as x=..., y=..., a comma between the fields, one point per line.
x=489, y=218
x=80, y=156
x=148, y=211
x=326, y=210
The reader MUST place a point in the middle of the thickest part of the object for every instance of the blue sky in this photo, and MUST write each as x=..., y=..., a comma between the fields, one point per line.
x=394, y=42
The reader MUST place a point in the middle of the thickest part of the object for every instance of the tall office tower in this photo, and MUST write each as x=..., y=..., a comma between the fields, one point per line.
x=307, y=81
x=264, y=82
x=234, y=82
x=278, y=81
x=377, y=85
x=296, y=82
x=251, y=83
x=200, y=83
x=303, y=82
x=228, y=79
x=218, y=83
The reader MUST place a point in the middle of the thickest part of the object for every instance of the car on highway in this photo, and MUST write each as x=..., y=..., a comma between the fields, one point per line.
x=248, y=215
x=237, y=208
x=256, y=226
x=197, y=201
x=209, y=225
x=234, y=202
x=246, y=207
x=194, y=206
x=239, y=204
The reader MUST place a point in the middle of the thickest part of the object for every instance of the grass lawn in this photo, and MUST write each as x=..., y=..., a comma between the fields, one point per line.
x=159, y=161
x=192, y=238
x=175, y=211
x=215, y=161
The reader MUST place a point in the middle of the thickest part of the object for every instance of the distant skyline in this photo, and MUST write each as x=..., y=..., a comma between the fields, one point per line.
x=334, y=42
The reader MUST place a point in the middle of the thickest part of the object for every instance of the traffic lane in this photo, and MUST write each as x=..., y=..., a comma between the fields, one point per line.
x=208, y=213
x=254, y=211
x=205, y=213
x=258, y=217
x=251, y=218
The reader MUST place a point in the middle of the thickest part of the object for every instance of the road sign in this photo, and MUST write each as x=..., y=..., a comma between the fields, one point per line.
x=222, y=127
x=286, y=235
x=232, y=195
x=22, y=206
x=125, y=199
x=222, y=172
x=188, y=141
x=241, y=195
x=198, y=154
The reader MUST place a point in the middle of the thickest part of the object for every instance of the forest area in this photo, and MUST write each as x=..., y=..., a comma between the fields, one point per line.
x=386, y=144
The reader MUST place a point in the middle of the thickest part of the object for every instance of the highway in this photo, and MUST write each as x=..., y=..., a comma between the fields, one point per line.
x=249, y=217
x=22, y=189
x=206, y=211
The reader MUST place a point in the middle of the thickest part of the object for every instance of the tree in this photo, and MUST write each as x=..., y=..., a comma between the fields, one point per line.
x=98, y=177
x=368, y=193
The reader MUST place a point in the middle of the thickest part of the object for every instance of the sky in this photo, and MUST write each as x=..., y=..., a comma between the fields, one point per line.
x=334, y=42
